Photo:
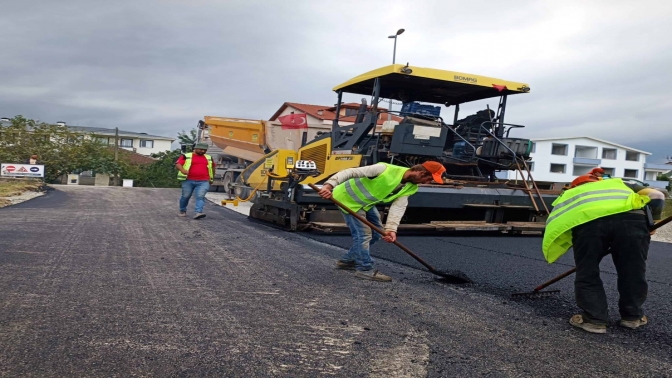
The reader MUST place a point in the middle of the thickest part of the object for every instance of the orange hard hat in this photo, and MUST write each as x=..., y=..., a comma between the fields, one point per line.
x=583, y=179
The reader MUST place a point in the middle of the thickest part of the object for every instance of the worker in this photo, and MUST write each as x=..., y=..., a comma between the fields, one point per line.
x=33, y=160
x=360, y=189
x=598, y=216
x=196, y=171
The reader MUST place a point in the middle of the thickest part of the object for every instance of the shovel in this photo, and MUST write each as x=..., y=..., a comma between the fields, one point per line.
x=455, y=277
x=537, y=293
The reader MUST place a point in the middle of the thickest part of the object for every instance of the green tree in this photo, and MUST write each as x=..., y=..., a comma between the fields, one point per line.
x=665, y=177
x=60, y=149
x=187, y=140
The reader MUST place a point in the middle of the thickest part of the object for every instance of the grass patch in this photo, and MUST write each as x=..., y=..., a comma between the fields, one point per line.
x=11, y=188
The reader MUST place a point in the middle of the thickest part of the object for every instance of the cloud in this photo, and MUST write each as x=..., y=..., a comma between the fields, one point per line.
x=595, y=68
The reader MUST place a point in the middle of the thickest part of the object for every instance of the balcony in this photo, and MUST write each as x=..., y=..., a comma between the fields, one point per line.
x=658, y=167
x=587, y=161
x=657, y=184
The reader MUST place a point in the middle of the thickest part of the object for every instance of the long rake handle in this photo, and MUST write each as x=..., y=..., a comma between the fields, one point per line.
x=569, y=272
x=378, y=230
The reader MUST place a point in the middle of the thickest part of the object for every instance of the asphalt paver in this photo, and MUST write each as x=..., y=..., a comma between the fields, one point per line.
x=110, y=282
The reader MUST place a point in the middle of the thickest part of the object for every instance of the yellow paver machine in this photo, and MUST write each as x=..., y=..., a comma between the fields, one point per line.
x=473, y=149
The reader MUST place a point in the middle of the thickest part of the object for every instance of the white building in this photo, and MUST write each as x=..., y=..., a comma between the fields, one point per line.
x=141, y=143
x=561, y=160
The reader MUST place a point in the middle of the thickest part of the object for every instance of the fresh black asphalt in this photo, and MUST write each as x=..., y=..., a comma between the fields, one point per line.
x=109, y=282
x=503, y=265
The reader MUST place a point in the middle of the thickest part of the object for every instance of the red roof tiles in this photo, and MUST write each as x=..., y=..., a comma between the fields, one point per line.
x=328, y=113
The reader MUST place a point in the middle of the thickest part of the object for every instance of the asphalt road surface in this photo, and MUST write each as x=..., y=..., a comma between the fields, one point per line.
x=110, y=282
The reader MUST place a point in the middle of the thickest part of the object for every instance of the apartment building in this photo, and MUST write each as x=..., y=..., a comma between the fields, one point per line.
x=561, y=160
x=141, y=143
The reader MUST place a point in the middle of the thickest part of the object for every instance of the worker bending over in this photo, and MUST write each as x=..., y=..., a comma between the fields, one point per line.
x=598, y=216
x=360, y=189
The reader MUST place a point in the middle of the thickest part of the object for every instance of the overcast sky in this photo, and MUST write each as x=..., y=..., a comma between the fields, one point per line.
x=596, y=68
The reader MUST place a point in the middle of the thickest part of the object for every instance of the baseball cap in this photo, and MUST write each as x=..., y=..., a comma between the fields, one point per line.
x=202, y=146
x=436, y=169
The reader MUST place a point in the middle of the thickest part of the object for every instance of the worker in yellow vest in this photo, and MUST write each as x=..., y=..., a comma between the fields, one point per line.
x=196, y=171
x=361, y=189
x=598, y=216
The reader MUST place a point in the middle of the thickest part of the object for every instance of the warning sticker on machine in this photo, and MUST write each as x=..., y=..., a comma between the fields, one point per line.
x=425, y=132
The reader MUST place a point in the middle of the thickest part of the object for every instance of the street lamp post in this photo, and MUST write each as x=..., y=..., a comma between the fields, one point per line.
x=394, y=55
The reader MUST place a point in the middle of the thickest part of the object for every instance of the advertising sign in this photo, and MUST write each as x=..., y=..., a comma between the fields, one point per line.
x=21, y=170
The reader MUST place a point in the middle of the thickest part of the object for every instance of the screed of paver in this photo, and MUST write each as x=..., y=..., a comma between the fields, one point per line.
x=128, y=288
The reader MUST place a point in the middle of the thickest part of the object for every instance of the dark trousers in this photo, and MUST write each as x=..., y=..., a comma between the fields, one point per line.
x=627, y=238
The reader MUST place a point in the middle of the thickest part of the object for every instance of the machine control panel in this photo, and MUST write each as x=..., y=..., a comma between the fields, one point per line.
x=305, y=165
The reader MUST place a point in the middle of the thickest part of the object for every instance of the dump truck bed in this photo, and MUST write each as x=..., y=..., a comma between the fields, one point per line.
x=251, y=139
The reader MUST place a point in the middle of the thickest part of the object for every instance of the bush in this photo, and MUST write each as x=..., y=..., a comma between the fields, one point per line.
x=159, y=174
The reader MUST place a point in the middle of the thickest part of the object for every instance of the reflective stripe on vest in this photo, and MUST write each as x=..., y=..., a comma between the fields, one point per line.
x=364, y=192
x=187, y=164
x=570, y=204
x=368, y=197
x=583, y=204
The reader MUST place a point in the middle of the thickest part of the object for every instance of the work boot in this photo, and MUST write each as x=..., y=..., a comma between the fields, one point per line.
x=634, y=324
x=372, y=275
x=183, y=213
x=577, y=321
x=350, y=265
x=199, y=216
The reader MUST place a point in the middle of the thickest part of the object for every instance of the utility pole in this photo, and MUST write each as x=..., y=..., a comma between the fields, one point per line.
x=116, y=154
x=394, y=55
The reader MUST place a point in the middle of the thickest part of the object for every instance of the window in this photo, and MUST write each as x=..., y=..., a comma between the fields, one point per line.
x=558, y=168
x=585, y=152
x=530, y=165
x=651, y=176
x=146, y=143
x=126, y=143
x=581, y=170
x=534, y=147
x=559, y=149
x=351, y=112
x=631, y=173
x=609, y=153
x=631, y=156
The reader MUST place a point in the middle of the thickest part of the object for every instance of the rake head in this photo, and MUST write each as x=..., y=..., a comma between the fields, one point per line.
x=535, y=294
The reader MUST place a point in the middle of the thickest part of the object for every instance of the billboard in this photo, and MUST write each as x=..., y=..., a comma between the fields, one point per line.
x=21, y=170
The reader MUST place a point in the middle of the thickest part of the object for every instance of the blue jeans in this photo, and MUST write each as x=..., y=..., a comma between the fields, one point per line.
x=200, y=188
x=363, y=238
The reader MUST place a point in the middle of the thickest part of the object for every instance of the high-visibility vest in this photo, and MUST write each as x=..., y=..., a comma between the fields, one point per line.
x=364, y=193
x=187, y=164
x=583, y=204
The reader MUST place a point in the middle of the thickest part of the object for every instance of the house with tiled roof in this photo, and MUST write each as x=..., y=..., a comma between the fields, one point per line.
x=318, y=115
